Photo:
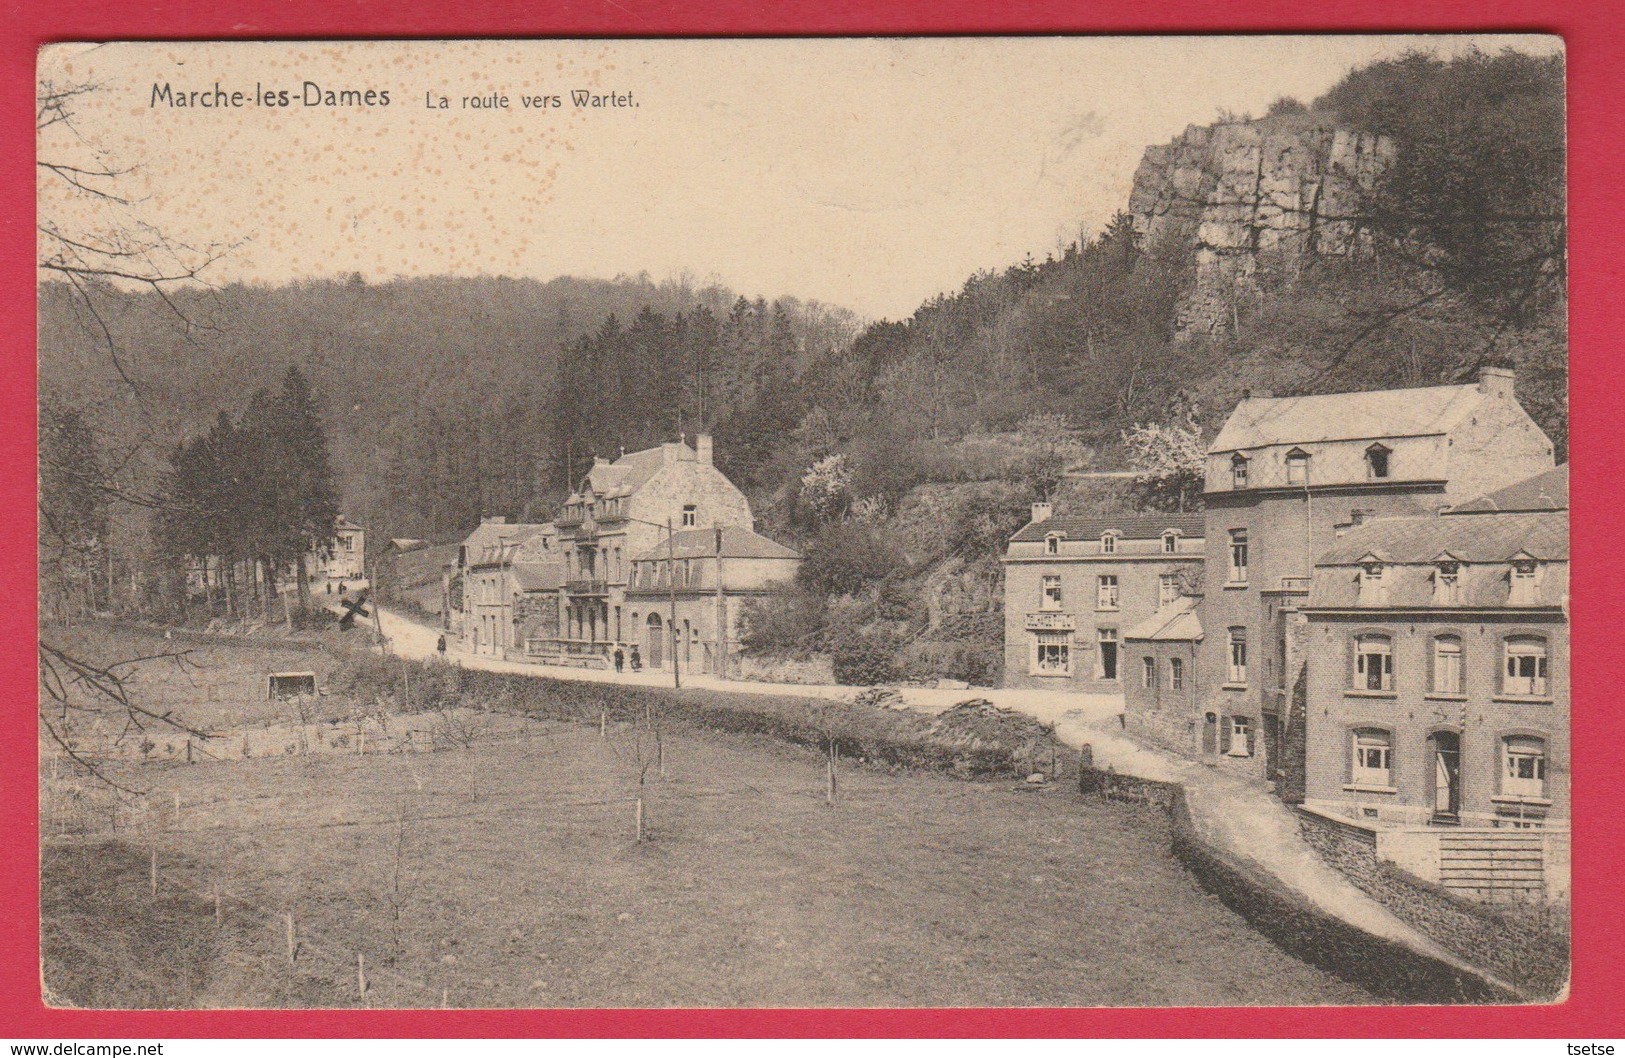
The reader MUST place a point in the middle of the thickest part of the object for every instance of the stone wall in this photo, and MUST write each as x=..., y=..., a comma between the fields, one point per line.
x=1528, y=947
x=784, y=668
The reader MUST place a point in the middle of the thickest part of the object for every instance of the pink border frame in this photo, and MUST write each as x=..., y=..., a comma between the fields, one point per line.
x=1593, y=34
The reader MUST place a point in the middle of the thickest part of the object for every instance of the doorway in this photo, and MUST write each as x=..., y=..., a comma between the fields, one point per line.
x=654, y=643
x=1210, y=734
x=1444, y=747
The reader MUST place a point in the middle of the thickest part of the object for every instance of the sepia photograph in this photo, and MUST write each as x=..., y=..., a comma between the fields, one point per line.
x=908, y=522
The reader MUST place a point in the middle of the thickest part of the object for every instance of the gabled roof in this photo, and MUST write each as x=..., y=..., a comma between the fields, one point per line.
x=737, y=542
x=1258, y=422
x=344, y=524
x=1543, y=492
x=1487, y=539
x=1175, y=622
x=628, y=473
x=1127, y=526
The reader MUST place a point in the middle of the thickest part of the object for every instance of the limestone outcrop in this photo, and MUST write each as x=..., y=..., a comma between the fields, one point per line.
x=1252, y=202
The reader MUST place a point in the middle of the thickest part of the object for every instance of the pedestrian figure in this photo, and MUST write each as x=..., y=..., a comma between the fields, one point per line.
x=620, y=659
x=341, y=587
x=637, y=662
x=441, y=646
x=329, y=587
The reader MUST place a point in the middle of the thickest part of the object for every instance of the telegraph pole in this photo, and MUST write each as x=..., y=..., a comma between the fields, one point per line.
x=671, y=589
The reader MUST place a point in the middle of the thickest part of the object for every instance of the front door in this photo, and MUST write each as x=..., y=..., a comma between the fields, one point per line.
x=1446, y=754
x=654, y=646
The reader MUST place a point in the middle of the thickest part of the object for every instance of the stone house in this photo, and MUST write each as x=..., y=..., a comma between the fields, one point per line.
x=1436, y=652
x=486, y=563
x=623, y=509
x=1283, y=478
x=683, y=597
x=1072, y=586
x=1160, y=689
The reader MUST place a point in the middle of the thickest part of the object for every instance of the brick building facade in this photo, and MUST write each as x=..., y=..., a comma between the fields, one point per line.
x=1072, y=586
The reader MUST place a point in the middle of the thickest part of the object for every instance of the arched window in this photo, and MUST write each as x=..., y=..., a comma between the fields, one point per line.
x=1238, y=471
x=1523, y=766
x=1376, y=460
x=1148, y=673
x=1372, y=762
x=1373, y=663
x=1176, y=673
x=1052, y=544
x=1108, y=543
x=1170, y=542
x=1527, y=667
x=1447, y=665
x=1238, y=655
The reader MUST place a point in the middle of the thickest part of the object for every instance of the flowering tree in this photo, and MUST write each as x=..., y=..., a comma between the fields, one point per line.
x=826, y=486
x=1167, y=459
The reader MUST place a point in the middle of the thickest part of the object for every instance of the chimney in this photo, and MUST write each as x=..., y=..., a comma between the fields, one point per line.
x=1495, y=382
x=1041, y=512
x=702, y=445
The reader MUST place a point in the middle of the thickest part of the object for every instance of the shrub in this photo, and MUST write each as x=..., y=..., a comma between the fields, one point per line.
x=788, y=621
x=861, y=661
x=848, y=558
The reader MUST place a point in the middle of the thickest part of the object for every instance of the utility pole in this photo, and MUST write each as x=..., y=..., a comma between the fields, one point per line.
x=722, y=614
x=671, y=589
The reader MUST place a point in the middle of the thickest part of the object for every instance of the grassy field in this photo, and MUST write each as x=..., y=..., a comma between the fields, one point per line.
x=507, y=875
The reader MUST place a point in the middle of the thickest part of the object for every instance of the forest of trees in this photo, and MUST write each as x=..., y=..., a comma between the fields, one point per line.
x=449, y=398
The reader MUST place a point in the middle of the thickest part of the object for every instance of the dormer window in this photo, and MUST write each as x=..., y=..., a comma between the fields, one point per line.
x=1376, y=461
x=1170, y=542
x=1108, y=543
x=1052, y=544
x=1238, y=471
x=1297, y=467
x=1447, y=583
x=1525, y=576
x=1373, y=590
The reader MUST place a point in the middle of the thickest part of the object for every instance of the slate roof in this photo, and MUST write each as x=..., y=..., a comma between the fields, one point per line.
x=1543, y=492
x=1410, y=549
x=628, y=473
x=1128, y=526
x=482, y=542
x=737, y=542
x=1176, y=622
x=1545, y=535
x=538, y=576
x=1258, y=422
x=344, y=523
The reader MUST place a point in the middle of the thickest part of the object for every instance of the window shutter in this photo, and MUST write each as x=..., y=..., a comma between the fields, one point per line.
x=1250, y=736
x=1224, y=734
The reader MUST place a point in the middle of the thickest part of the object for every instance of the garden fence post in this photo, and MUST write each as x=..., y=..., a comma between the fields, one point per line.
x=361, y=973
x=287, y=919
x=219, y=917
x=154, y=872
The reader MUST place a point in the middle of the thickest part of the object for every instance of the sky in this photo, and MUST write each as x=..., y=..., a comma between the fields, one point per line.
x=871, y=174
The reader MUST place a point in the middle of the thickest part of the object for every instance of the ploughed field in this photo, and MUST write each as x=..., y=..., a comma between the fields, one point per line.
x=506, y=875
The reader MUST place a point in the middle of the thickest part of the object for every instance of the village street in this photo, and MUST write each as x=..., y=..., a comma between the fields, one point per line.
x=1239, y=816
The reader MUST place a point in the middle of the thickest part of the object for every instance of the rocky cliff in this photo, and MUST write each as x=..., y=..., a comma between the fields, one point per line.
x=1253, y=202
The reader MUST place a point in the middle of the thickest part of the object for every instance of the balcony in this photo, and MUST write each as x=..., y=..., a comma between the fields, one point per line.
x=587, y=587
x=1052, y=622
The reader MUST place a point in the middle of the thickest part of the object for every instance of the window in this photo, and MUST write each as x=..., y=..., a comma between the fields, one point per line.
x=1238, y=655
x=1054, y=656
x=1148, y=673
x=691, y=516
x=1447, y=665
x=1376, y=461
x=1238, y=556
x=1107, y=638
x=1523, y=582
x=1524, y=774
x=1373, y=663
x=1106, y=593
x=1176, y=673
x=1052, y=544
x=1526, y=666
x=349, y=543
x=1241, y=737
x=1373, y=585
x=1052, y=593
x=1297, y=467
x=1373, y=758
x=1167, y=588
x=1447, y=584
x=1108, y=543
x=1170, y=542
x=1238, y=471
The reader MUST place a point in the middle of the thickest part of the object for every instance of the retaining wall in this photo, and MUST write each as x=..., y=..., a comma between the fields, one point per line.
x=1387, y=968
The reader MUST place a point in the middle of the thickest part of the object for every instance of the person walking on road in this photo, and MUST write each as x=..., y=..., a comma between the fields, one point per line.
x=441, y=646
x=620, y=659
